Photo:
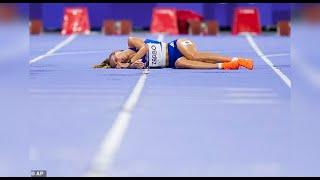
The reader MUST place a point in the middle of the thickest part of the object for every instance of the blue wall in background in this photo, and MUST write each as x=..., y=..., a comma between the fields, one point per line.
x=52, y=13
x=23, y=9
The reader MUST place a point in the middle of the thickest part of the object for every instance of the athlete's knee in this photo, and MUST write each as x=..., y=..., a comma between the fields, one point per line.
x=185, y=42
x=190, y=55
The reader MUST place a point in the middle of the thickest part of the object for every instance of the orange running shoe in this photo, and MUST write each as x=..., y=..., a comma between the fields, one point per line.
x=231, y=65
x=247, y=63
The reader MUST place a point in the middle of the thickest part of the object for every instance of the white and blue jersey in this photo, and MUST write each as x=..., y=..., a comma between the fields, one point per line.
x=173, y=52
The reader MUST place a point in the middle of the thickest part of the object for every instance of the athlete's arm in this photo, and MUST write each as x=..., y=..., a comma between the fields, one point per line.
x=137, y=43
x=142, y=51
x=137, y=64
x=123, y=65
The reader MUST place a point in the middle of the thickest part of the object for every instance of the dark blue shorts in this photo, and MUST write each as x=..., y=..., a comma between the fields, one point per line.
x=174, y=53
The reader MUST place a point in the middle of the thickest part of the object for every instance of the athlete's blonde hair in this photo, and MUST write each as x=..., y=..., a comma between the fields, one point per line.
x=106, y=63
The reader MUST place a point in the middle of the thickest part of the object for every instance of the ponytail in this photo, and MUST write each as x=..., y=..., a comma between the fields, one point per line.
x=105, y=64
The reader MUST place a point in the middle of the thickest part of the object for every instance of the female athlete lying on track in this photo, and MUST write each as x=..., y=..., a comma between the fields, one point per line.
x=180, y=53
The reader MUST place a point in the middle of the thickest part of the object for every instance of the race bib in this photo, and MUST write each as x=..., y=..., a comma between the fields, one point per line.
x=156, y=55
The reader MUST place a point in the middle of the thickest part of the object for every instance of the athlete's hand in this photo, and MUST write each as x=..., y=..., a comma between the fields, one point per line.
x=122, y=65
x=138, y=64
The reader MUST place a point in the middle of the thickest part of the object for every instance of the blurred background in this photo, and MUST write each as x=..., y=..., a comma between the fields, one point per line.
x=52, y=14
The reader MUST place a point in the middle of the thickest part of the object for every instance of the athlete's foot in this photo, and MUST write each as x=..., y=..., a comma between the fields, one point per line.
x=231, y=65
x=247, y=63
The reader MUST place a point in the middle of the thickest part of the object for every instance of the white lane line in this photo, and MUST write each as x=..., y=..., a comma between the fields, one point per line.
x=54, y=49
x=267, y=61
x=277, y=55
x=111, y=143
x=103, y=160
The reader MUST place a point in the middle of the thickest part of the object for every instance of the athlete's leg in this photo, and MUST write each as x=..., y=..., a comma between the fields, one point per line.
x=189, y=50
x=184, y=63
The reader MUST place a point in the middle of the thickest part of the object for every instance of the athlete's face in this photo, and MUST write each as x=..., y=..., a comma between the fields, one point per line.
x=115, y=60
x=118, y=60
x=120, y=57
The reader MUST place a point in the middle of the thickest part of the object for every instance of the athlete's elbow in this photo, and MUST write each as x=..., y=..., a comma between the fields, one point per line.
x=130, y=40
x=192, y=56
